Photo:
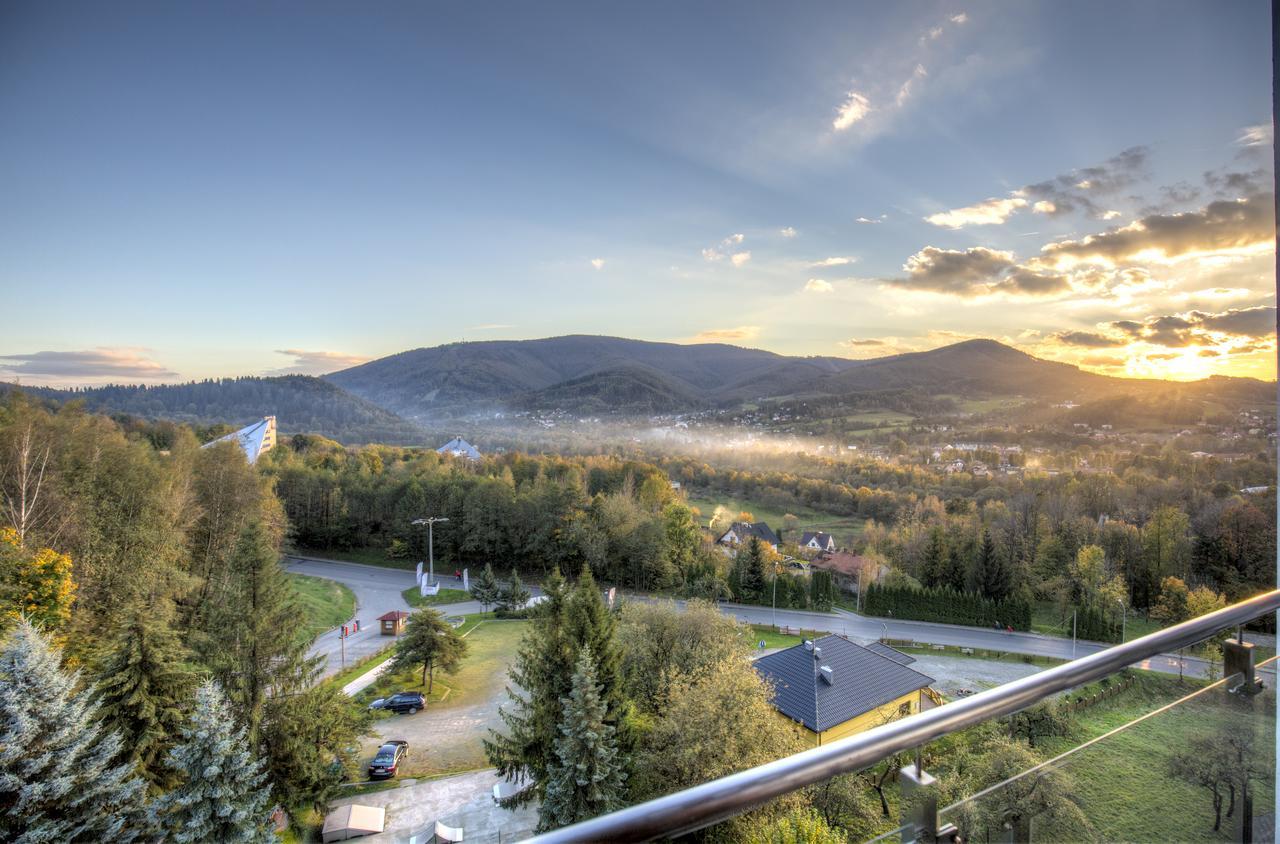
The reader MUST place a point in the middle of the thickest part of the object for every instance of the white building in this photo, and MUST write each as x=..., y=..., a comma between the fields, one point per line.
x=254, y=439
x=458, y=447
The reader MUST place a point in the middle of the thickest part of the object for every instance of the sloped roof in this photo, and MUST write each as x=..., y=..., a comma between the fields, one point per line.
x=893, y=654
x=459, y=447
x=746, y=530
x=353, y=821
x=823, y=538
x=862, y=680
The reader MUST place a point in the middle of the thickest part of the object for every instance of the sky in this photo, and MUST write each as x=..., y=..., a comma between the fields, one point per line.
x=202, y=190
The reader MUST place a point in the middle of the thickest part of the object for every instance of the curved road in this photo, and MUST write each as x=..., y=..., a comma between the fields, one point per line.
x=378, y=591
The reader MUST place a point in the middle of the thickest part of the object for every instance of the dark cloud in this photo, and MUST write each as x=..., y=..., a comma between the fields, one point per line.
x=95, y=364
x=1220, y=226
x=1194, y=327
x=864, y=342
x=965, y=273
x=1089, y=339
x=1231, y=184
x=1078, y=190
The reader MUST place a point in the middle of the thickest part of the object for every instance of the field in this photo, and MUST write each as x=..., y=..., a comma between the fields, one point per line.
x=325, y=603
x=845, y=528
x=1046, y=619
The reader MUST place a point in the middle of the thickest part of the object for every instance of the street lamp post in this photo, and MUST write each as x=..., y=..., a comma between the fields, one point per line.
x=431, y=559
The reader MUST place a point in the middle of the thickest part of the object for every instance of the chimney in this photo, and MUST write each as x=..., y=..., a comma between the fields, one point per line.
x=827, y=675
x=808, y=644
x=817, y=652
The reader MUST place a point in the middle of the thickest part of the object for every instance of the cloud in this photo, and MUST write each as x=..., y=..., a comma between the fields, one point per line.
x=977, y=271
x=104, y=363
x=1089, y=339
x=1256, y=136
x=834, y=261
x=1200, y=327
x=856, y=106
x=990, y=212
x=858, y=343
x=1044, y=206
x=598, y=263
x=867, y=221
x=1239, y=227
x=818, y=285
x=904, y=92
x=788, y=232
x=306, y=362
x=727, y=335
x=959, y=19
x=720, y=250
x=1233, y=184
x=1108, y=215
x=1078, y=190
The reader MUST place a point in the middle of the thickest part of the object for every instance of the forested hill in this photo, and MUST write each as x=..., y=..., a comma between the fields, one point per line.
x=590, y=375
x=300, y=403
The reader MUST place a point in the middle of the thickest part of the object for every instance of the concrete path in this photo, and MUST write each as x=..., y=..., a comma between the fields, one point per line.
x=465, y=801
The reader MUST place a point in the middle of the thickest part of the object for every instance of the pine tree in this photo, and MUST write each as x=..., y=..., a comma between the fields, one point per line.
x=750, y=568
x=223, y=796
x=311, y=742
x=59, y=775
x=429, y=641
x=541, y=671
x=993, y=575
x=514, y=595
x=254, y=646
x=143, y=688
x=590, y=624
x=485, y=588
x=586, y=777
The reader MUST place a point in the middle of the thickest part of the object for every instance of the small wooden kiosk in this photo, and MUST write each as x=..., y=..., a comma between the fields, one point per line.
x=393, y=622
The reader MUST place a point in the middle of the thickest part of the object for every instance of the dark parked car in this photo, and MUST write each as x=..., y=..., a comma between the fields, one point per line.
x=388, y=759
x=406, y=702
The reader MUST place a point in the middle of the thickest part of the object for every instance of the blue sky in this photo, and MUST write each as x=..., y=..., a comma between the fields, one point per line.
x=253, y=188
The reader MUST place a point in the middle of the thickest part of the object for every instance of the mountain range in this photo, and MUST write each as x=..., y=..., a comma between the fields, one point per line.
x=392, y=398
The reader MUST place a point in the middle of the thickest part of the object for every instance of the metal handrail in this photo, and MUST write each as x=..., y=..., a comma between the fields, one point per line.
x=712, y=802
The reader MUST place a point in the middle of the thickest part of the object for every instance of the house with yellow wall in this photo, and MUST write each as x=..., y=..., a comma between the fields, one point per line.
x=833, y=687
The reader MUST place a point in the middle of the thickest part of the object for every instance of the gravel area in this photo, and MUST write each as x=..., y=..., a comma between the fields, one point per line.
x=952, y=674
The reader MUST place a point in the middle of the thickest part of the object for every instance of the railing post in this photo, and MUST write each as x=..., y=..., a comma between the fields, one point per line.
x=919, y=809
x=1238, y=658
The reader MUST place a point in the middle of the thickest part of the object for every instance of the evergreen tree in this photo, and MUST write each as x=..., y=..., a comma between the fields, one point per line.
x=590, y=624
x=514, y=595
x=586, y=777
x=542, y=670
x=750, y=569
x=143, y=688
x=254, y=646
x=311, y=743
x=933, y=568
x=429, y=641
x=223, y=796
x=993, y=580
x=59, y=775
x=485, y=588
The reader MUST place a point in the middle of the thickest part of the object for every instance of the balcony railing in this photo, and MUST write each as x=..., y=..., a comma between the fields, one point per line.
x=715, y=801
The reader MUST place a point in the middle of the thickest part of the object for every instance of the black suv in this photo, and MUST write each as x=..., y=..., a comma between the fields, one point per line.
x=387, y=760
x=406, y=702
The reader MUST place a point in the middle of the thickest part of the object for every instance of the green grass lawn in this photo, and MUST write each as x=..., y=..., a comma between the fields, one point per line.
x=845, y=528
x=1123, y=781
x=774, y=639
x=1045, y=618
x=446, y=596
x=325, y=603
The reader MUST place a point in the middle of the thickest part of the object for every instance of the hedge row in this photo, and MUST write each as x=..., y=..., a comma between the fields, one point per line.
x=946, y=605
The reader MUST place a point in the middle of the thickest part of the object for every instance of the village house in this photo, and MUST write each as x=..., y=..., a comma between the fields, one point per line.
x=740, y=533
x=816, y=540
x=833, y=687
x=458, y=447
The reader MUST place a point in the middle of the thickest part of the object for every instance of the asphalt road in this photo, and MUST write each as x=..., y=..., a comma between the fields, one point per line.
x=378, y=591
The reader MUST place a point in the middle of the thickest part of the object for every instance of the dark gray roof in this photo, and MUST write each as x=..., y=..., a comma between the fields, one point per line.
x=862, y=680
x=893, y=654
x=746, y=530
x=823, y=538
